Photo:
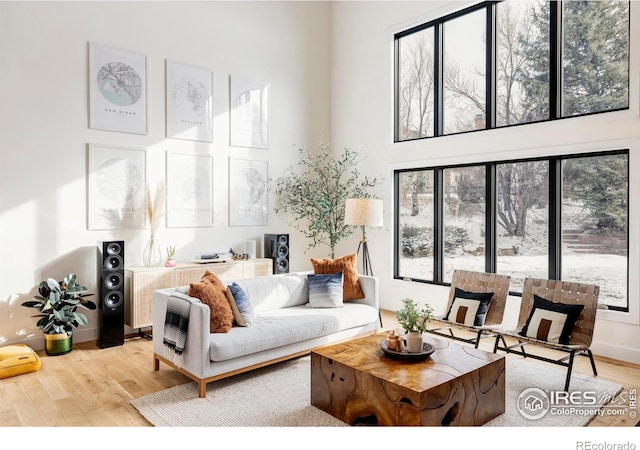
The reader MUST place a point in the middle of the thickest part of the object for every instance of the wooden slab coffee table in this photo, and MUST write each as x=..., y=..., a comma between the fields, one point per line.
x=358, y=383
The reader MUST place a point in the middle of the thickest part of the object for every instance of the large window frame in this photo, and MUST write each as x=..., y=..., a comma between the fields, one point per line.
x=555, y=88
x=554, y=223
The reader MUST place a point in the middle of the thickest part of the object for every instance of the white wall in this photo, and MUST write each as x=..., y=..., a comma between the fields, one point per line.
x=361, y=113
x=44, y=126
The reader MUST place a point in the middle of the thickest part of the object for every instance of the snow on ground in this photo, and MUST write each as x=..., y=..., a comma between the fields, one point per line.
x=605, y=270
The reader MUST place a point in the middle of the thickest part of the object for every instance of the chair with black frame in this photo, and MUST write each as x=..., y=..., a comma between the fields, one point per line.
x=476, y=303
x=556, y=314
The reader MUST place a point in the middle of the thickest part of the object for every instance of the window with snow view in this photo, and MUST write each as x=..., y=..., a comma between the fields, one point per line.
x=561, y=217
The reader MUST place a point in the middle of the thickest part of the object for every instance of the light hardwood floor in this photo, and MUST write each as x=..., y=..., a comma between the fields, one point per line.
x=93, y=387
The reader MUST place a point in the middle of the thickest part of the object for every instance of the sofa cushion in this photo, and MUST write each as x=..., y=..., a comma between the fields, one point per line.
x=212, y=292
x=348, y=265
x=325, y=291
x=275, y=291
x=286, y=326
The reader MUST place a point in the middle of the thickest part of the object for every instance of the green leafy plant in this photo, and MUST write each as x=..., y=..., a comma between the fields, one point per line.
x=171, y=251
x=315, y=195
x=411, y=318
x=58, y=303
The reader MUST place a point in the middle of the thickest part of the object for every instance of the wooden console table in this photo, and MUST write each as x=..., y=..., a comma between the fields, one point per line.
x=142, y=281
x=358, y=383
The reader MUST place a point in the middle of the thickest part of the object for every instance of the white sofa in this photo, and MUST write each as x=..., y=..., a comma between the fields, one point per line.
x=284, y=327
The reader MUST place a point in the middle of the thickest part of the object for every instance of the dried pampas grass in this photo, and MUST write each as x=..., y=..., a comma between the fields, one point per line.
x=155, y=208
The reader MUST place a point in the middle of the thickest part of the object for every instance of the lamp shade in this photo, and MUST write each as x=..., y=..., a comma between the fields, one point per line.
x=363, y=212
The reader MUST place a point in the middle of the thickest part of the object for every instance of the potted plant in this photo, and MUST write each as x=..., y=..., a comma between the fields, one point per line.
x=316, y=193
x=414, y=323
x=58, y=303
x=171, y=252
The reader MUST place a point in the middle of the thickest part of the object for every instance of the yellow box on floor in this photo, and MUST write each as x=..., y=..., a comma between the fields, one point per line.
x=18, y=359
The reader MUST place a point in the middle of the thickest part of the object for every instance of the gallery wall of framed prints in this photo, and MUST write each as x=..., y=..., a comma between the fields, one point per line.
x=119, y=101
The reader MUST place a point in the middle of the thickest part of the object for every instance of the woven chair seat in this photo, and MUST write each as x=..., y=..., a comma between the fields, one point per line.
x=471, y=281
x=559, y=292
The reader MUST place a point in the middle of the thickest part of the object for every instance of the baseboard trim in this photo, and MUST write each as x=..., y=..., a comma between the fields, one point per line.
x=627, y=354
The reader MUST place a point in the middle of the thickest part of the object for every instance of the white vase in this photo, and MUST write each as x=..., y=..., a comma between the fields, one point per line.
x=414, y=342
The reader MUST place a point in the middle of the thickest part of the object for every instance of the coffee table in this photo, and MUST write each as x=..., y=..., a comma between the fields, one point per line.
x=358, y=383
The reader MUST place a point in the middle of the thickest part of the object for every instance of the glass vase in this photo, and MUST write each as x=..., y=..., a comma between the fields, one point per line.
x=152, y=255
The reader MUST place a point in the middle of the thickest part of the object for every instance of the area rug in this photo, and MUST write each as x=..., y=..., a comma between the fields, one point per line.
x=279, y=396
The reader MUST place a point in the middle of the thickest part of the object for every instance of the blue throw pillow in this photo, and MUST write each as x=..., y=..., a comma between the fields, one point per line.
x=242, y=301
x=325, y=290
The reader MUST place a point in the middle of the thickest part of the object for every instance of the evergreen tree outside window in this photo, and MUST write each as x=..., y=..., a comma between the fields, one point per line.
x=595, y=56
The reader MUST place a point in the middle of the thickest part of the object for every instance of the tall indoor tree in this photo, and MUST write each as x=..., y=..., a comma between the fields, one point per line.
x=315, y=193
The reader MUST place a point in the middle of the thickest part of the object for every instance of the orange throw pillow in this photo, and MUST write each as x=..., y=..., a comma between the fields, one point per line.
x=351, y=289
x=212, y=292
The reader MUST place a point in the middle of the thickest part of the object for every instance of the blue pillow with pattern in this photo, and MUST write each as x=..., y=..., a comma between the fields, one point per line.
x=325, y=290
x=242, y=302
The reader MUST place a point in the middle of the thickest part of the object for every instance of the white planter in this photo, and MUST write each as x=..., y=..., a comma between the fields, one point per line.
x=414, y=342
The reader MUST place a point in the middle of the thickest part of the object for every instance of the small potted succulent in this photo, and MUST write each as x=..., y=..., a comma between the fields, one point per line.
x=58, y=305
x=171, y=252
x=414, y=322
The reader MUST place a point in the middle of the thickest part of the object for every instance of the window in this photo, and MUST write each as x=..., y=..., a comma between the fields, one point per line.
x=561, y=217
x=522, y=69
x=595, y=56
x=464, y=73
x=511, y=62
x=414, y=199
x=416, y=85
x=595, y=224
x=464, y=212
x=522, y=247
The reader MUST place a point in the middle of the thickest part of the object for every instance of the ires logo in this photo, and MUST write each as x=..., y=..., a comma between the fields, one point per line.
x=576, y=398
x=534, y=403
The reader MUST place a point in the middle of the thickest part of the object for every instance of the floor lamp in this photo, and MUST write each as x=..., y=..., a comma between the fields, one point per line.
x=364, y=212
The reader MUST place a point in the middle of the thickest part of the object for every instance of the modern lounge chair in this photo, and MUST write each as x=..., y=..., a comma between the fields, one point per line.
x=458, y=312
x=540, y=330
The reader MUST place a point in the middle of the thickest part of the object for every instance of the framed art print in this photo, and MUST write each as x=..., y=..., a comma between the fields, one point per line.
x=116, y=187
x=248, y=183
x=118, y=89
x=249, y=113
x=189, y=190
x=189, y=102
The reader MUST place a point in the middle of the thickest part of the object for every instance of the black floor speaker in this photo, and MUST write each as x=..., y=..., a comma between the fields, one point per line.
x=111, y=282
x=276, y=247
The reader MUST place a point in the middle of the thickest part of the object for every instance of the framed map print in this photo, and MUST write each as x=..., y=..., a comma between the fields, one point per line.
x=118, y=89
x=116, y=188
x=189, y=190
x=189, y=102
x=249, y=113
x=248, y=183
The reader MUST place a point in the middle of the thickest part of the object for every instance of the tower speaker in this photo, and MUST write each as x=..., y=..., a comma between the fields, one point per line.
x=111, y=272
x=276, y=247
